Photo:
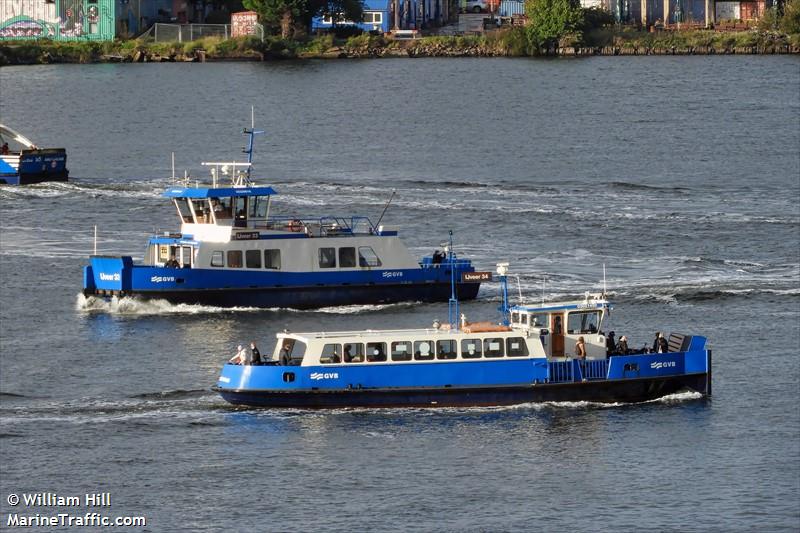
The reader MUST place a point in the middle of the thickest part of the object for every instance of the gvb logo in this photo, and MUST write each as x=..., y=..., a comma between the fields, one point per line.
x=663, y=364
x=324, y=375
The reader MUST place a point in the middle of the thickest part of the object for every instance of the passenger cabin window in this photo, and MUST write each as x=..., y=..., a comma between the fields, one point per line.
x=523, y=319
x=516, y=347
x=367, y=257
x=446, y=349
x=583, y=322
x=252, y=258
x=493, y=347
x=183, y=209
x=515, y=317
x=376, y=351
x=217, y=259
x=331, y=353
x=539, y=320
x=327, y=257
x=401, y=351
x=272, y=259
x=353, y=352
x=423, y=350
x=234, y=259
x=471, y=348
x=347, y=257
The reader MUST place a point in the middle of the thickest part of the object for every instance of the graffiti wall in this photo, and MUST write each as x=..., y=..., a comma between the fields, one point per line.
x=57, y=19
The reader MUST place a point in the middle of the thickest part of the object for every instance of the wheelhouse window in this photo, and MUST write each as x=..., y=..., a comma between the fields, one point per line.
x=272, y=259
x=514, y=317
x=446, y=349
x=327, y=257
x=183, y=209
x=234, y=259
x=347, y=257
x=258, y=207
x=367, y=257
x=217, y=259
x=539, y=320
x=423, y=350
x=471, y=348
x=252, y=258
x=240, y=211
x=331, y=353
x=376, y=351
x=493, y=347
x=401, y=351
x=295, y=350
x=583, y=322
x=353, y=352
x=516, y=347
x=222, y=207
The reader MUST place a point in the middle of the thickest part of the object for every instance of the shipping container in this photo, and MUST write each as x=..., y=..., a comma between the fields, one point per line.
x=728, y=11
x=752, y=10
x=60, y=20
x=509, y=8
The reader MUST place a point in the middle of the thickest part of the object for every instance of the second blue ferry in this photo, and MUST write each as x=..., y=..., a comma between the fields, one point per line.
x=232, y=251
x=553, y=352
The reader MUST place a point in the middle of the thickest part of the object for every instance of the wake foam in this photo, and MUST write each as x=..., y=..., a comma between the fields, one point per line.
x=140, y=307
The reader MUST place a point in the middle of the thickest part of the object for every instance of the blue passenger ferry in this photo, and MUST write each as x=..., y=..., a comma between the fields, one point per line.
x=531, y=356
x=231, y=250
x=24, y=163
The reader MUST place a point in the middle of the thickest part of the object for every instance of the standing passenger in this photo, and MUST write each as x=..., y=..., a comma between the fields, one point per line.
x=663, y=345
x=580, y=348
x=255, y=355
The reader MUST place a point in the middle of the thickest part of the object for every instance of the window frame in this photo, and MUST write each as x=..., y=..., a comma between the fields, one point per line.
x=220, y=255
x=451, y=354
x=478, y=353
x=488, y=353
x=409, y=353
x=350, y=260
x=232, y=253
x=278, y=255
x=252, y=253
x=517, y=353
x=431, y=351
x=376, y=358
x=325, y=250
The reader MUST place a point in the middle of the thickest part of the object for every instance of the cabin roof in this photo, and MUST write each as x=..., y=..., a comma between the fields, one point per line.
x=562, y=306
x=220, y=192
x=379, y=335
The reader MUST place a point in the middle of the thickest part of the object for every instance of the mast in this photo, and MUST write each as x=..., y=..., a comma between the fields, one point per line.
x=251, y=134
x=452, y=304
x=502, y=273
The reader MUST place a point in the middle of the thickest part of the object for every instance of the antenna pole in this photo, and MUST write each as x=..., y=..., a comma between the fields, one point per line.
x=173, y=167
x=519, y=288
x=604, y=280
x=544, y=282
x=387, y=207
x=452, y=304
x=95, y=239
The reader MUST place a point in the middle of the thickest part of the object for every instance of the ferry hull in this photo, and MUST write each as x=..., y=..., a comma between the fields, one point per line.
x=602, y=391
x=308, y=297
x=36, y=166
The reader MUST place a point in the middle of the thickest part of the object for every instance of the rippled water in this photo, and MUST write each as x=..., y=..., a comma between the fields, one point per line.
x=681, y=175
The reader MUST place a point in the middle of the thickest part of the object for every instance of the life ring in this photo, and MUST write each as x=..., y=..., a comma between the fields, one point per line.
x=296, y=226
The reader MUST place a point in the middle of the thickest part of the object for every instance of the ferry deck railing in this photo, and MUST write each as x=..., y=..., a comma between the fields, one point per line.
x=576, y=370
x=319, y=227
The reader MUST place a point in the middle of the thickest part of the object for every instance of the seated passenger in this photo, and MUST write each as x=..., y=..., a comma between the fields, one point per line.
x=240, y=358
x=348, y=357
x=611, y=344
x=284, y=357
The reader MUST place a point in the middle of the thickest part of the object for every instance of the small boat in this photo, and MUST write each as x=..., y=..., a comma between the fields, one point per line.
x=530, y=356
x=23, y=163
x=232, y=251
